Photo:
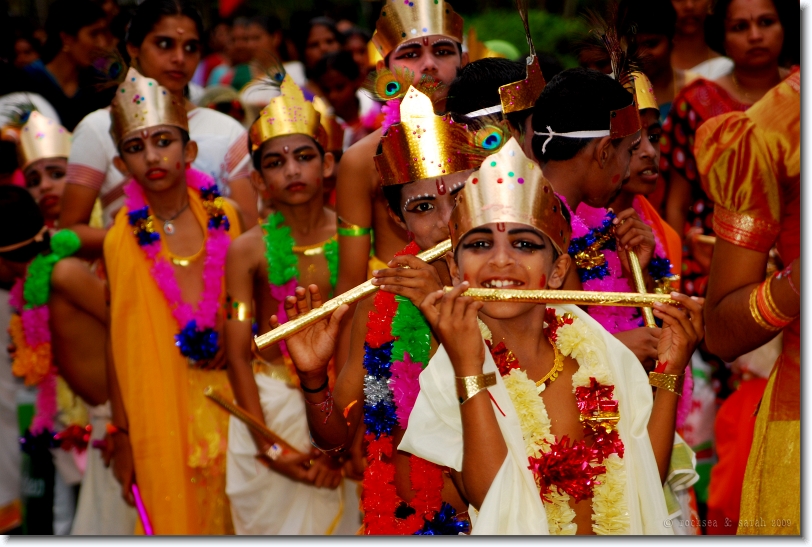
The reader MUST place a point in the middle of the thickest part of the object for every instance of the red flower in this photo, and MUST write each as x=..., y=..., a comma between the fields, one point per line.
x=595, y=398
x=504, y=358
x=567, y=468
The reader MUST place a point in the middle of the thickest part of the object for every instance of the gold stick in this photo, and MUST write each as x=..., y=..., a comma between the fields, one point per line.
x=710, y=240
x=580, y=298
x=248, y=420
x=640, y=285
x=317, y=314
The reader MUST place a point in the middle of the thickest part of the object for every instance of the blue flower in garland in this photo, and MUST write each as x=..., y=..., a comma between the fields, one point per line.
x=598, y=239
x=444, y=523
x=380, y=418
x=377, y=361
x=138, y=219
x=209, y=194
x=33, y=444
x=659, y=268
x=197, y=344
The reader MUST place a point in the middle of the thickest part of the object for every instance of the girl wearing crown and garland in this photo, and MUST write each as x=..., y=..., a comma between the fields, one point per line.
x=166, y=299
x=300, y=493
x=391, y=343
x=547, y=419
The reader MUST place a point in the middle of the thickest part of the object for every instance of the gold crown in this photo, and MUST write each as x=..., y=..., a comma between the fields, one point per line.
x=423, y=145
x=522, y=95
x=509, y=187
x=332, y=129
x=402, y=20
x=40, y=138
x=288, y=114
x=644, y=92
x=140, y=102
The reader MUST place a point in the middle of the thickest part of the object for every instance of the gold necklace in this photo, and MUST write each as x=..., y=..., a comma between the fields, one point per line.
x=558, y=366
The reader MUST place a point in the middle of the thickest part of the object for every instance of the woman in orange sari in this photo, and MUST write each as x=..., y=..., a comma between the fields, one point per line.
x=750, y=166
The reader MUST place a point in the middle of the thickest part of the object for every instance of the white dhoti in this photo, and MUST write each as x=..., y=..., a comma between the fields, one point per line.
x=264, y=502
x=101, y=510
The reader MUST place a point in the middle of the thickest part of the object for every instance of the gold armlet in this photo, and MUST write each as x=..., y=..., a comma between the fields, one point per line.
x=348, y=229
x=669, y=382
x=238, y=311
x=468, y=386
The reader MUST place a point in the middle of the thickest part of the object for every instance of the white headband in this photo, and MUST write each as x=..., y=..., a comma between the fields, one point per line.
x=571, y=135
x=484, y=111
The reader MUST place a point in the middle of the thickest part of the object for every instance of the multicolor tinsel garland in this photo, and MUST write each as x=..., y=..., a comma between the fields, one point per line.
x=396, y=350
x=31, y=336
x=564, y=468
x=283, y=266
x=197, y=338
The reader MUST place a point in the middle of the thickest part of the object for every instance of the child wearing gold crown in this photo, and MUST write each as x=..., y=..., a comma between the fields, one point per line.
x=390, y=342
x=548, y=429
x=294, y=493
x=165, y=260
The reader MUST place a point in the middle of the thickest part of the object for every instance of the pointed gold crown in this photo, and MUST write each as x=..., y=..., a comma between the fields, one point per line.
x=332, y=129
x=40, y=138
x=140, y=102
x=522, y=95
x=402, y=20
x=644, y=92
x=423, y=145
x=288, y=114
x=509, y=187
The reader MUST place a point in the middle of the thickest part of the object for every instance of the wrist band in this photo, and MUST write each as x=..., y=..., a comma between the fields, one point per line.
x=317, y=390
x=348, y=229
x=113, y=429
x=468, y=386
x=756, y=313
x=669, y=382
x=237, y=311
x=334, y=452
x=773, y=311
x=325, y=407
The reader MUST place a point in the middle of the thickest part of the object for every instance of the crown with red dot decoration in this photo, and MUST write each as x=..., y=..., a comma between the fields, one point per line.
x=140, y=102
x=40, y=138
x=403, y=20
x=509, y=187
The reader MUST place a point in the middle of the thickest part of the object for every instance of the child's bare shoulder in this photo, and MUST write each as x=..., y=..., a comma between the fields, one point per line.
x=247, y=246
x=71, y=271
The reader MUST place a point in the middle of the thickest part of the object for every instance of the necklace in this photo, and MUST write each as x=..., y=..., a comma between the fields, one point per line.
x=169, y=228
x=739, y=88
x=558, y=366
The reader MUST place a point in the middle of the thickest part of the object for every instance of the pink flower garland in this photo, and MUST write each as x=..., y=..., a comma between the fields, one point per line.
x=216, y=247
x=391, y=112
x=405, y=385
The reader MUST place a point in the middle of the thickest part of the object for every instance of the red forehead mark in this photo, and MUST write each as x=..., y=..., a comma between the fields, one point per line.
x=500, y=226
x=440, y=183
x=144, y=133
x=180, y=30
x=425, y=40
x=286, y=149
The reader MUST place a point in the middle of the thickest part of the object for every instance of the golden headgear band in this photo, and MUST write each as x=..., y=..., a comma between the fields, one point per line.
x=333, y=129
x=644, y=92
x=140, y=102
x=288, y=114
x=509, y=187
x=40, y=138
x=423, y=145
x=402, y=20
x=517, y=96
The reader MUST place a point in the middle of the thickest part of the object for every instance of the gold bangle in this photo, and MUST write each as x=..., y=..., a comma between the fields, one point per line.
x=757, y=317
x=348, y=229
x=237, y=311
x=468, y=386
x=771, y=306
x=669, y=382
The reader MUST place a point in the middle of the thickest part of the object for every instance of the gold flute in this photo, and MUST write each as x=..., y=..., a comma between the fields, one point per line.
x=317, y=314
x=640, y=285
x=248, y=420
x=709, y=240
x=579, y=298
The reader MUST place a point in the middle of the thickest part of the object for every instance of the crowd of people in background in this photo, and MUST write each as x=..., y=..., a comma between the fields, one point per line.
x=68, y=82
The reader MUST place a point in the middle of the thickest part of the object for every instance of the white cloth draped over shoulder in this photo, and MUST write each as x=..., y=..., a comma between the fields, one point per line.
x=222, y=145
x=512, y=504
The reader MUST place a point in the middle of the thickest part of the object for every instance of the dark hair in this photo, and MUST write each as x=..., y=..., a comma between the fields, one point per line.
x=68, y=16
x=357, y=31
x=477, y=86
x=12, y=36
x=150, y=12
x=340, y=61
x=269, y=24
x=578, y=99
x=648, y=17
x=256, y=155
x=394, y=195
x=301, y=36
x=20, y=220
x=788, y=14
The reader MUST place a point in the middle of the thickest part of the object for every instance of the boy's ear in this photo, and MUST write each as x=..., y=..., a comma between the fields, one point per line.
x=380, y=65
x=121, y=166
x=602, y=151
x=190, y=152
x=464, y=59
x=394, y=216
x=560, y=268
x=453, y=269
x=258, y=183
x=328, y=165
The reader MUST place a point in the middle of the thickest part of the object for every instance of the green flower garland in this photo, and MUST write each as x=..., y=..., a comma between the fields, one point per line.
x=37, y=287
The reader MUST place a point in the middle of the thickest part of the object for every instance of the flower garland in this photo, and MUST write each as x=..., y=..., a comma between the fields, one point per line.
x=564, y=469
x=31, y=336
x=396, y=349
x=283, y=266
x=594, y=250
x=197, y=338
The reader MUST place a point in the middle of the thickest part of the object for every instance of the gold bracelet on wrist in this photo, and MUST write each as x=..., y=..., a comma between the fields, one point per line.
x=468, y=386
x=771, y=305
x=756, y=313
x=669, y=382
